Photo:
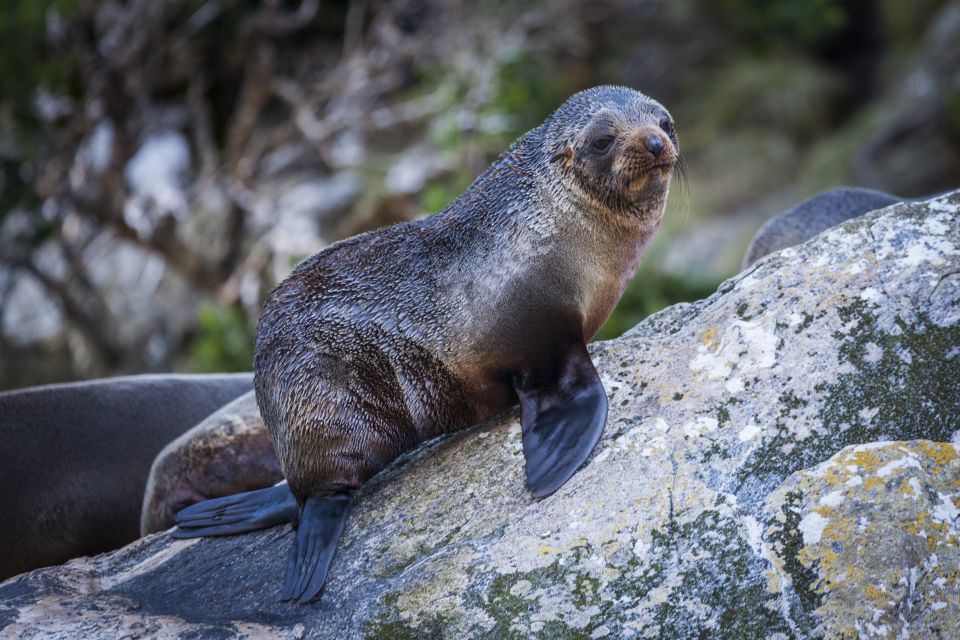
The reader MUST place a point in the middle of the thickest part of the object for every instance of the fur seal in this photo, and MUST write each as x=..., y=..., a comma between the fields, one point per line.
x=227, y=453
x=812, y=216
x=384, y=340
x=76, y=456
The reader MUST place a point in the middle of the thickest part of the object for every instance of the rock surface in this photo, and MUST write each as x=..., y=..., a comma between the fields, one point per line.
x=776, y=464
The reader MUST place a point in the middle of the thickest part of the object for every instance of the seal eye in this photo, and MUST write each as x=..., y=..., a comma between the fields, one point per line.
x=666, y=125
x=602, y=144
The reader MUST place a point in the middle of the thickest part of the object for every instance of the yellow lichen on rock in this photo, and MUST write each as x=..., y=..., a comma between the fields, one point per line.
x=869, y=539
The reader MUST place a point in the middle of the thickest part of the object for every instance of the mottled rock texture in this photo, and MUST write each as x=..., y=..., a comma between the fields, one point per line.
x=777, y=464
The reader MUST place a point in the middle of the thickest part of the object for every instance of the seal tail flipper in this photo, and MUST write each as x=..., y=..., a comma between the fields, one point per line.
x=562, y=422
x=321, y=524
x=238, y=513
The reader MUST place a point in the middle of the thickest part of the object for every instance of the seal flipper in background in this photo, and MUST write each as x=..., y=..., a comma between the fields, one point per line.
x=321, y=523
x=562, y=421
x=238, y=513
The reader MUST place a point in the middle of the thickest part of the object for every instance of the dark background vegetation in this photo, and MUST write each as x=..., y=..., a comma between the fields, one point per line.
x=164, y=162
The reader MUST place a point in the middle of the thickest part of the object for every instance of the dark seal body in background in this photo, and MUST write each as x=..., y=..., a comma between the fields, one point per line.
x=384, y=340
x=228, y=452
x=813, y=216
x=74, y=459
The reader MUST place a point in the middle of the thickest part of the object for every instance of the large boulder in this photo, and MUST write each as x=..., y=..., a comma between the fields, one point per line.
x=776, y=464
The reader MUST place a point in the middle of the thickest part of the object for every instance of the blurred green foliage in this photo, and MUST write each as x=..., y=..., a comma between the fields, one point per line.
x=528, y=90
x=26, y=66
x=224, y=340
x=650, y=291
x=786, y=93
x=437, y=195
x=25, y=60
x=806, y=24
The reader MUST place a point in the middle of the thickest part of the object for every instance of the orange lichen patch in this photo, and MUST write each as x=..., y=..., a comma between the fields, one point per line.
x=774, y=581
x=939, y=527
x=828, y=559
x=546, y=550
x=837, y=524
x=807, y=556
x=866, y=459
x=907, y=489
x=836, y=475
x=917, y=526
x=879, y=596
x=942, y=453
x=709, y=336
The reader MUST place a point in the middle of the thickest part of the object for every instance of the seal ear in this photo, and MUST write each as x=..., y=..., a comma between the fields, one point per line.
x=562, y=421
x=562, y=153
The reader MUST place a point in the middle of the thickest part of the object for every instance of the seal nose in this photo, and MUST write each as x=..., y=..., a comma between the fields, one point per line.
x=654, y=144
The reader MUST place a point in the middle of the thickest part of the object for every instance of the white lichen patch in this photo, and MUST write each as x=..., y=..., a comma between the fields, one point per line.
x=811, y=527
x=915, y=487
x=749, y=432
x=57, y=617
x=702, y=425
x=895, y=465
x=856, y=267
x=747, y=282
x=944, y=206
x=649, y=438
x=734, y=385
x=935, y=251
x=833, y=499
x=746, y=346
x=931, y=246
x=753, y=533
x=871, y=294
x=945, y=510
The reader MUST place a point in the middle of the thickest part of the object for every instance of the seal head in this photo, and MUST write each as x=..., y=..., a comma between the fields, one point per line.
x=615, y=148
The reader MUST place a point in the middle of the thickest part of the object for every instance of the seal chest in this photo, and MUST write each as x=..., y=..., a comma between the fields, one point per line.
x=383, y=340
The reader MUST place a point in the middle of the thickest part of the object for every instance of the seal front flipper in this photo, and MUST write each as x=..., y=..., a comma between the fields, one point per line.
x=321, y=524
x=562, y=421
x=238, y=513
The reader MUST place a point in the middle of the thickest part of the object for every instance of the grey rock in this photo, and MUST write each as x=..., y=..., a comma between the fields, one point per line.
x=731, y=420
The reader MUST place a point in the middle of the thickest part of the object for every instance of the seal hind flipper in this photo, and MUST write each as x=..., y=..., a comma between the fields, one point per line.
x=238, y=513
x=562, y=422
x=321, y=524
